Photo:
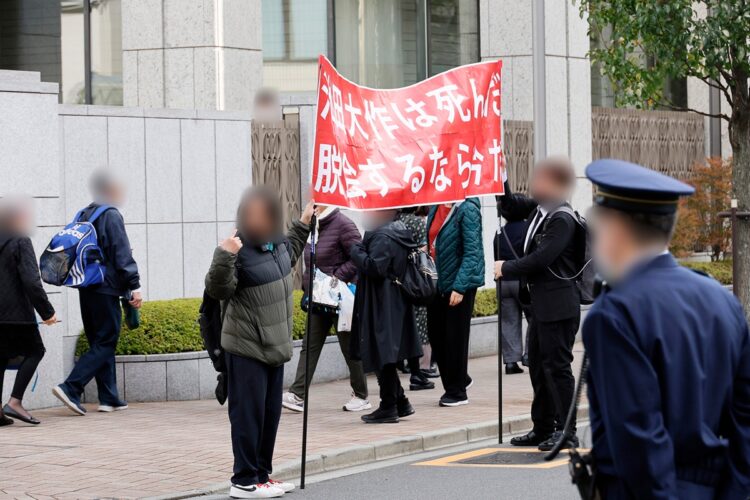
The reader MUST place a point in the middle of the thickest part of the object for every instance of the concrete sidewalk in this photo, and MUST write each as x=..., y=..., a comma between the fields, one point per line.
x=157, y=449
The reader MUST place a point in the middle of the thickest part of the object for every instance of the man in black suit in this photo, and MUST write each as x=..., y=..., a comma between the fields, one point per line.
x=552, y=249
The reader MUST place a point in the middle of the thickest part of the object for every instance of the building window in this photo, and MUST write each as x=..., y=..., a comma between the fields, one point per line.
x=603, y=93
x=58, y=38
x=383, y=44
x=295, y=32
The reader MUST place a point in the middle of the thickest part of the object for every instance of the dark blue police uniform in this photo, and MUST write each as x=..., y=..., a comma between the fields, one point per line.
x=669, y=372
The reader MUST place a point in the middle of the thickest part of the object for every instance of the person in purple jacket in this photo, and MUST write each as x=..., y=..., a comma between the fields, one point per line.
x=336, y=235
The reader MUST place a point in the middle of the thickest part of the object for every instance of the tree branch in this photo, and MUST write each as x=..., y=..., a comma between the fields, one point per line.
x=719, y=86
x=669, y=104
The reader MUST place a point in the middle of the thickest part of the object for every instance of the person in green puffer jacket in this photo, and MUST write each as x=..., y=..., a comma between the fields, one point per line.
x=251, y=273
x=454, y=235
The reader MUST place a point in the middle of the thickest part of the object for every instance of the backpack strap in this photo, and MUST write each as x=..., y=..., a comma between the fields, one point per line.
x=98, y=212
x=566, y=209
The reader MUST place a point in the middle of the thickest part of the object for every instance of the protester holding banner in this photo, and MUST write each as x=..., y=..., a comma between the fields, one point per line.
x=550, y=251
x=455, y=242
x=251, y=273
x=336, y=233
x=384, y=329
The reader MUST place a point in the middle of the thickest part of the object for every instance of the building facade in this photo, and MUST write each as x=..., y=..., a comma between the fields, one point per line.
x=162, y=90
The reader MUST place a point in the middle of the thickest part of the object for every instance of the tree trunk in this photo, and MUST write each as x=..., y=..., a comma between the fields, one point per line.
x=741, y=187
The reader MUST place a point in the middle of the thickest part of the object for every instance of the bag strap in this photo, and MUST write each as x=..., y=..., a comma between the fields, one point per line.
x=99, y=211
x=507, y=240
x=566, y=209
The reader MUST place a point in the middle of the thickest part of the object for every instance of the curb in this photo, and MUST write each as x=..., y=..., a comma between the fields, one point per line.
x=382, y=450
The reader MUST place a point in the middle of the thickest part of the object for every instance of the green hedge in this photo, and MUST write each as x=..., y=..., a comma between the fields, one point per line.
x=169, y=326
x=721, y=270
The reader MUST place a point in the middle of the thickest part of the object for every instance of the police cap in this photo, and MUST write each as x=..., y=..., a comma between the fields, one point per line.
x=628, y=187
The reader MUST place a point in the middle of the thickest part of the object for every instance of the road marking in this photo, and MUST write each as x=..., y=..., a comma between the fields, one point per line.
x=457, y=460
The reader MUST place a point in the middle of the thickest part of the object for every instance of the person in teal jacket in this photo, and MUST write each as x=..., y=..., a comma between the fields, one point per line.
x=454, y=235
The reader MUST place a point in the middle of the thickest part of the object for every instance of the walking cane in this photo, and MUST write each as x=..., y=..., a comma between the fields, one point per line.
x=307, y=350
x=499, y=293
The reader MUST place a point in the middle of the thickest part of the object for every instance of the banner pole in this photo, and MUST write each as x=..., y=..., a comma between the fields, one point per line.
x=306, y=407
x=499, y=293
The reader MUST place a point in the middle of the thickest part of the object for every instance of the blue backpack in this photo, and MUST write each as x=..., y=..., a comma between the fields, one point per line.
x=73, y=257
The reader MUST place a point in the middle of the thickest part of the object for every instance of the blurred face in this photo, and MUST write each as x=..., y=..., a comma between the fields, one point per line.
x=545, y=188
x=375, y=219
x=116, y=194
x=613, y=244
x=17, y=216
x=258, y=221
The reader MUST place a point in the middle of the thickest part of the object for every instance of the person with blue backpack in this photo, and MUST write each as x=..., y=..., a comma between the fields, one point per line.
x=21, y=294
x=103, y=269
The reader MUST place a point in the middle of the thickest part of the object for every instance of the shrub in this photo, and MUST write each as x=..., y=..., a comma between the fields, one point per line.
x=485, y=304
x=721, y=270
x=169, y=326
x=699, y=226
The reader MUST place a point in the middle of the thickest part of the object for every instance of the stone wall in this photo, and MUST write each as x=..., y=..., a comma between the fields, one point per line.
x=185, y=171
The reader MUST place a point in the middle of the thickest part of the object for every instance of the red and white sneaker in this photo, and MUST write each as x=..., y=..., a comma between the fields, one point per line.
x=284, y=486
x=261, y=490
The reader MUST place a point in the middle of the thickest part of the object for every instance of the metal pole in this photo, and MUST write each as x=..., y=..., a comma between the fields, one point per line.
x=735, y=245
x=88, y=94
x=540, y=81
x=306, y=403
x=499, y=293
x=735, y=215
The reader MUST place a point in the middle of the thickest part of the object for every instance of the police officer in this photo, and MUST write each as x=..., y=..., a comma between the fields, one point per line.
x=669, y=375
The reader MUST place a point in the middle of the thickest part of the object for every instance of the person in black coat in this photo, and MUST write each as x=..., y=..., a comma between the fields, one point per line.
x=552, y=249
x=21, y=293
x=100, y=305
x=384, y=329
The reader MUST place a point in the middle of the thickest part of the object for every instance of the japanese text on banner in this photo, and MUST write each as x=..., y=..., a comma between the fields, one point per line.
x=437, y=141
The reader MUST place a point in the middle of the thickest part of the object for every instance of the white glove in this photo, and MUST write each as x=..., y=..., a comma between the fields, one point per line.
x=505, y=175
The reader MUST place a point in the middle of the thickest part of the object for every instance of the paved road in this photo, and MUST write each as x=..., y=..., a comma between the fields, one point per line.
x=437, y=477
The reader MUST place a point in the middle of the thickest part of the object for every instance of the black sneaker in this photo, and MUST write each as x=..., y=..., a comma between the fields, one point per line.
x=404, y=408
x=450, y=401
x=381, y=416
x=525, y=360
x=571, y=442
x=419, y=382
x=512, y=369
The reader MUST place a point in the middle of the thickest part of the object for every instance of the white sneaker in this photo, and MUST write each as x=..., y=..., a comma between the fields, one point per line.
x=292, y=402
x=357, y=404
x=111, y=408
x=282, y=485
x=263, y=490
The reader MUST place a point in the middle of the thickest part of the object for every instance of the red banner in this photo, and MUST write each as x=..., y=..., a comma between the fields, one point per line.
x=437, y=141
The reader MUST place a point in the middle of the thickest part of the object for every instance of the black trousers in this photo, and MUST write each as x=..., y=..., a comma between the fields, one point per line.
x=550, y=358
x=102, y=318
x=254, y=411
x=390, y=387
x=448, y=328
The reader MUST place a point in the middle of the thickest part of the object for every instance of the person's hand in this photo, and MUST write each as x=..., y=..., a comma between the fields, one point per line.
x=136, y=299
x=505, y=174
x=232, y=244
x=499, y=269
x=51, y=320
x=308, y=212
x=455, y=299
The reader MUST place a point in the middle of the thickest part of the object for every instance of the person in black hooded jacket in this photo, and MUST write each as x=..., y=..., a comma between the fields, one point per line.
x=384, y=329
x=21, y=293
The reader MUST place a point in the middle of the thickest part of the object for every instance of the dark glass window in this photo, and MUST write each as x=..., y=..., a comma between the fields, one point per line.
x=49, y=36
